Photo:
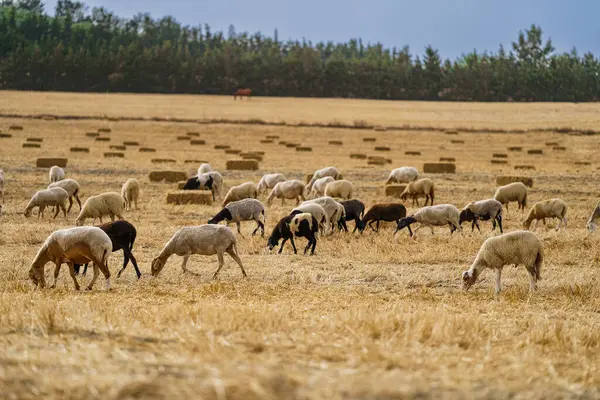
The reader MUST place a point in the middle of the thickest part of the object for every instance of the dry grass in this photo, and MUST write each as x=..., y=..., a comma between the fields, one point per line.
x=370, y=316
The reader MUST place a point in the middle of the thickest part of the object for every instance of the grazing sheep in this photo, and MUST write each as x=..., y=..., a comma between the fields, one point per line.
x=515, y=191
x=54, y=197
x=293, y=189
x=316, y=210
x=131, y=193
x=514, y=248
x=194, y=183
x=440, y=215
x=402, y=175
x=106, y=204
x=591, y=224
x=56, y=173
x=246, y=190
x=122, y=235
x=72, y=187
x=268, y=181
x=342, y=189
x=333, y=210
x=553, y=208
x=204, y=168
x=354, y=210
x=79, y=245
x=318, y=188
x=299, y=225
x=323, y=172
x=242, y=210
x=388, y=212
x=217, y=184
x=2, y=185
x=482, y=210
x=422, y=187
x=206, y=240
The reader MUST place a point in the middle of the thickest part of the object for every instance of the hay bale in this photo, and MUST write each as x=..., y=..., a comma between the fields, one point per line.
x=102, y=139
x=104, y=130
x=232, y=151
x=559, y=148
x=163, y=161
x=358, y=156
x=34, y=139
x=369, y=139
x=183, y=138
x=515, y=148
x=377, y=162
x=394, y=190
x=272, y=137
x=167, y=176
x=256, y=157
x=114, y=154
x=79, y=150
x=117, y=147
x=451, y=132
x=379, y=128
x=447, y=159
x=130, y=143
x=412, y=153
x=195, y=134
x=506, y=179
x=242, y=165
x=382, y=148
x=92, y=134
x=496, y=161
x=535, y=151
x=15, y=128
x=147, y=150
x=28, y=145
x=525, y=167
x=222, y=147
x=583, y=163
x=380, y=159
x=499, y=155
x=304, y=148
x=292, y=145
x=198, y=142
x=439, y=168
x=190, y=197
x=5, y=135
x=336, y=142
x=50, y=161
x=266, y=141
x=457, y=141
x=195, y=162
x=551, y=144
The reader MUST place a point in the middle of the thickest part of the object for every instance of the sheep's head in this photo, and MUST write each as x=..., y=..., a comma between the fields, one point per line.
x=404, y=222
x=157, y=266
x=27, y=212
x=33, y=275
x=468, y=279
x=272, y=243
x=526, y=224
x=591, y=227
x=361, y=225
x=466, y=215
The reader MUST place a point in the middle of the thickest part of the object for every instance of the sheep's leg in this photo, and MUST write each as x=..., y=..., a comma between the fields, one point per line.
x=414, y=235
x=221, y=262
x=532, y=278
x=134, y=262
x=498, y=283
x=371, y=225
x=477, y=225
x=410, y=232
x=70, y=203
x=96, y=273
x=233, y=253
x=72, y=273
x=565, y=222
x=281, y=248
x=559, y=223
x=64, y=210
x=41, y=211
x=378, y=221
x=78, y=201
x=314, y=246
x=293, y=245
x=238, y=224
x=106, y=273
x=56, y=271
x=499, y=218
x=184, y=264
x=536, y=224
x=433, y=233
x=85, y=267
x=57, y=211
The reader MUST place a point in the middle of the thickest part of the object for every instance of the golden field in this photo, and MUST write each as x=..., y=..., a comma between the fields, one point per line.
x=369, y=316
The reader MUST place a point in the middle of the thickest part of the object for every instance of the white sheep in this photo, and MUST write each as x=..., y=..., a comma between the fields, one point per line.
x=515, y=191
x=53, y=197
x=72, y=187
x=131, y=193
x=552, y=208
x=106, y=204
x=204, y=168
x=242, y=210
x=79, y=245
x=514, y=248
x=333, y=210
x=316, y=210
x=402, y=175
x=415, y=189
x=217, y=185
x=591, y=224
x=2, y=185
x=323, y=172
x=342, y=189
x=318, y=188
x=440, y=215
x=56, y=173
x=206, y=240
x=268, y=181
x=246, y=190
x=293, y=189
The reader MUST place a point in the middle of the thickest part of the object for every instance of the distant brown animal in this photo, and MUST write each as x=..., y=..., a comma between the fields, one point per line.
x=242, y=92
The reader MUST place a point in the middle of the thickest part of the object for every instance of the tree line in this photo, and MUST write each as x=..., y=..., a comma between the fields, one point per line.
x=83, y=50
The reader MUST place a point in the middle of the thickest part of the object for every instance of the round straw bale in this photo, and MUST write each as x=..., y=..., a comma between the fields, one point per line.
x=499, y=155
x=394, y=190
x=559, y=148
x=34, y=139
x=131, y=143
x=117, y=147
x=447, y=159
x=369, y=139
x=506, y=179
x=272, y=137
x=15, y=128
x=451, y=132
x=190, y=197
x=439, y=168
x=167, y=176
x=336, y=142
x=515, y=148
x=29, y=145
x=104, y=130
x=496, y=161
x=551, y=143
x=232, y=151
x=457, y=141
x=304, y=148
x=222, y=147
x=525, y=167
x=242, y=165
x=256, y=157
x=163, y=161
x=382, y=148
x=79, y=150
x=147, y=150
x=114, y=154
x=198, y=142
x=183, y=138
x=5, y=135
x=358, y=156
x=195, y=134
x=92, y=134
x=583, y=163
x=49, y=162
x=102, y=139
x=535, y=151
x=266, y=141
x=412, y=153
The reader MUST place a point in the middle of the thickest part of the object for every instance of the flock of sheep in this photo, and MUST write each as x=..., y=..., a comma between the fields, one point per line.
x=322, y=206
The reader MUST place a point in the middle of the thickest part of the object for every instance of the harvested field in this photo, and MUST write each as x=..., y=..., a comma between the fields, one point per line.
x=369, y=316
x=394, y=190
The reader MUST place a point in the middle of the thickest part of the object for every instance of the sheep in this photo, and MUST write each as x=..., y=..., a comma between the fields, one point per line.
x=204, y=168
x=131, y=193
x=109, y=203
x=334, y=211
x=316, y=210
x=246, y=190
x=78, y=245
x=56, y=174
x=217, y=184
x=318, y=188
x=552, y=208
x=483, y=210
x=591, y=224
x=195, y=183
x=122, y=235
x=388, y=212
x=293, y=189
x=242, y=210
x=2, y=185
x=72, y=187
x=442, y=214
x=299, y=225
x=206, y=240
x=342, y=189
x=402, y=175
x=268, y=181
x=353, y=210
x=515, y=191
x=327, y=171
x=54, y=197
x=513, y=248
x=422, y=187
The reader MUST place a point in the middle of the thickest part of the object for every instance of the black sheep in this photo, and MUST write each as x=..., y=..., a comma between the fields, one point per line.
x=355, y=210
x=122, y=235
x=388, y=212
x=305, y=229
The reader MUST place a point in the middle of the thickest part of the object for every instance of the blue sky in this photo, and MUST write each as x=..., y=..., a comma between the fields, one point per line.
x=452, y=26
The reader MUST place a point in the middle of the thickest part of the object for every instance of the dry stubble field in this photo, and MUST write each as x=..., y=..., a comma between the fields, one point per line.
x=370, y=316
